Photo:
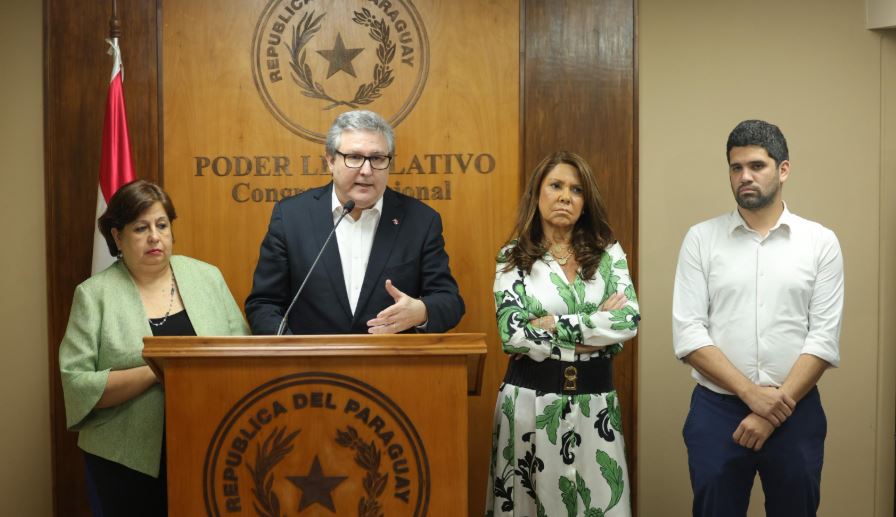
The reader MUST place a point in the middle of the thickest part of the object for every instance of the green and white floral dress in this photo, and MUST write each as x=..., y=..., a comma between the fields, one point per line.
x=556, y=454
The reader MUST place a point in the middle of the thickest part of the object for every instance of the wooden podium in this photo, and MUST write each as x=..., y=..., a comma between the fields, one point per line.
x=317, y=425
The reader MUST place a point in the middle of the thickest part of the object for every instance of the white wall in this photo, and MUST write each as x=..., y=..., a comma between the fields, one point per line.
x=25, y=480
x=813, y=69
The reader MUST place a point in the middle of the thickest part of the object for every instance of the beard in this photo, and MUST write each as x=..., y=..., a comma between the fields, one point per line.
x=758, y=199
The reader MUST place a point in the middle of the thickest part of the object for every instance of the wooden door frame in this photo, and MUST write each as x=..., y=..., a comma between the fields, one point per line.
x=552, y=118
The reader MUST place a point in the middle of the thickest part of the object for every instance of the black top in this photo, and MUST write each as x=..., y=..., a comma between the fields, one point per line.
x=177, y=324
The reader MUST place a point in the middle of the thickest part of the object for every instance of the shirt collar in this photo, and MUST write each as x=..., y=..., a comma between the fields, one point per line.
x=336, y=206
x=735, y=221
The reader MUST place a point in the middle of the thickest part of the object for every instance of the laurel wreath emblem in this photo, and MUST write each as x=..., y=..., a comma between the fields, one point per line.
x=304, y=31
x=275, y=447
x=368, y=457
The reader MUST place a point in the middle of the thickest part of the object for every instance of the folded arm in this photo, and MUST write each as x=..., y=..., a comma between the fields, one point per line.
x=85, y=388
x=616, y=318
x=124, y=385
x=518, y=314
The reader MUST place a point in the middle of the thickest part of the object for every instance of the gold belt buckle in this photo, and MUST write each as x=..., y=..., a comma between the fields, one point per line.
x=570, y=374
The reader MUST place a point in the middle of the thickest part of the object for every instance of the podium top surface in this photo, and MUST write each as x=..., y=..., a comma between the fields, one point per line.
x=318, y=345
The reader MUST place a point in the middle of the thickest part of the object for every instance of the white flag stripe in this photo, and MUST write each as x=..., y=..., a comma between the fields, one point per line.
x=115, y=52
x=101, y=257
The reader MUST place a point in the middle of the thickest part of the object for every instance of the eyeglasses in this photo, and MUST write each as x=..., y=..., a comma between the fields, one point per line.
x=356, y=161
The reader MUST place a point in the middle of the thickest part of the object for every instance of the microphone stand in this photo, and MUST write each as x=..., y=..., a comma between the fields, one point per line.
x=349, y=206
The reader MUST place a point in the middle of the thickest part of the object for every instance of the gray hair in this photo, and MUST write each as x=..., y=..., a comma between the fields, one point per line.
x=359, y=120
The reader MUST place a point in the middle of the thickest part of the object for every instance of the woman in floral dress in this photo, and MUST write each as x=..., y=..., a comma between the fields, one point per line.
x=565, y=303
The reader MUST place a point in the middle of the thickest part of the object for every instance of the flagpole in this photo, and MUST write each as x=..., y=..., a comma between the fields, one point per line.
x=114, y=34
x=116, y=166
x=114, y=24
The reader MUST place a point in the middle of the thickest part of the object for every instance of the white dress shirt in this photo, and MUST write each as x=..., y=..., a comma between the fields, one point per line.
x=761, y=301
x=355, y=239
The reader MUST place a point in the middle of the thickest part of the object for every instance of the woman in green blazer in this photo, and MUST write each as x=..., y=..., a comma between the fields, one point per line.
x=112, y=398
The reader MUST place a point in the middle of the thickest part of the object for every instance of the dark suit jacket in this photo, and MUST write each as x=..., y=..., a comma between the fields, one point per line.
x=411, y=253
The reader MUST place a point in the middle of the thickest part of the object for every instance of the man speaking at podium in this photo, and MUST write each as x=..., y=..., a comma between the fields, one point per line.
x=387, y=270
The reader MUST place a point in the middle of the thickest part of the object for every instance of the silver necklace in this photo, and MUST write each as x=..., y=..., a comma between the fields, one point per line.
x=170, y=305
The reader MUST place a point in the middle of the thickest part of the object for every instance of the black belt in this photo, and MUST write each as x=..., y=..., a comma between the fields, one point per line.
x=555, y=376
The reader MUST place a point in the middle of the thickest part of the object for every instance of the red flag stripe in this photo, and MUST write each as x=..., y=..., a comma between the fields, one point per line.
x=116, y=167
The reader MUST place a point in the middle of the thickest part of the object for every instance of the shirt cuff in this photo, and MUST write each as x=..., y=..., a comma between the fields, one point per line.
x=683, y=351
x=832, y=357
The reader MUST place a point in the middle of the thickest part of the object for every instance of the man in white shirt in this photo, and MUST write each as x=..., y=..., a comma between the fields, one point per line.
x=756, y=313
x=386, y=273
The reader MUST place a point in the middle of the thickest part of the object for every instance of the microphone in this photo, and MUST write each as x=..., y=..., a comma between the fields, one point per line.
x=349, y=206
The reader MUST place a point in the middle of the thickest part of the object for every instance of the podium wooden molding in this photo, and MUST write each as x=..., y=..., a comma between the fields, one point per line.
x=317, y=425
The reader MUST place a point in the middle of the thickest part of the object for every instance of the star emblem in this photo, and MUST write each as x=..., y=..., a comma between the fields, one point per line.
x=316, y=487
x=340, y=58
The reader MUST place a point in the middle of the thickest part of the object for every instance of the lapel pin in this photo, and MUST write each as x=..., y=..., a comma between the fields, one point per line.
x=395, y=222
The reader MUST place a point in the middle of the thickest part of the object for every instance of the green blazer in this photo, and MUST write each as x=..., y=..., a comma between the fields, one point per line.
x=105, y=332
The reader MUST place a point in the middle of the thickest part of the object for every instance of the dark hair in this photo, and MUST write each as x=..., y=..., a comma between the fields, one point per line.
x=590, y=236
x=126, y=205
x=759, y=133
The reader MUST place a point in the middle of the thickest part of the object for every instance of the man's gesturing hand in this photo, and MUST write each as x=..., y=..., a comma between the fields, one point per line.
x=405, y=313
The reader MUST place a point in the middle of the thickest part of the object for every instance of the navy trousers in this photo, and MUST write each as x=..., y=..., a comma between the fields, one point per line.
x=722, y=472
x=93, y=497
x=123, y=492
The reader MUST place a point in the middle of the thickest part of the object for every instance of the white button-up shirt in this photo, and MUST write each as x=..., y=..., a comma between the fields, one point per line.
x=762, y=301
x=355, y=239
